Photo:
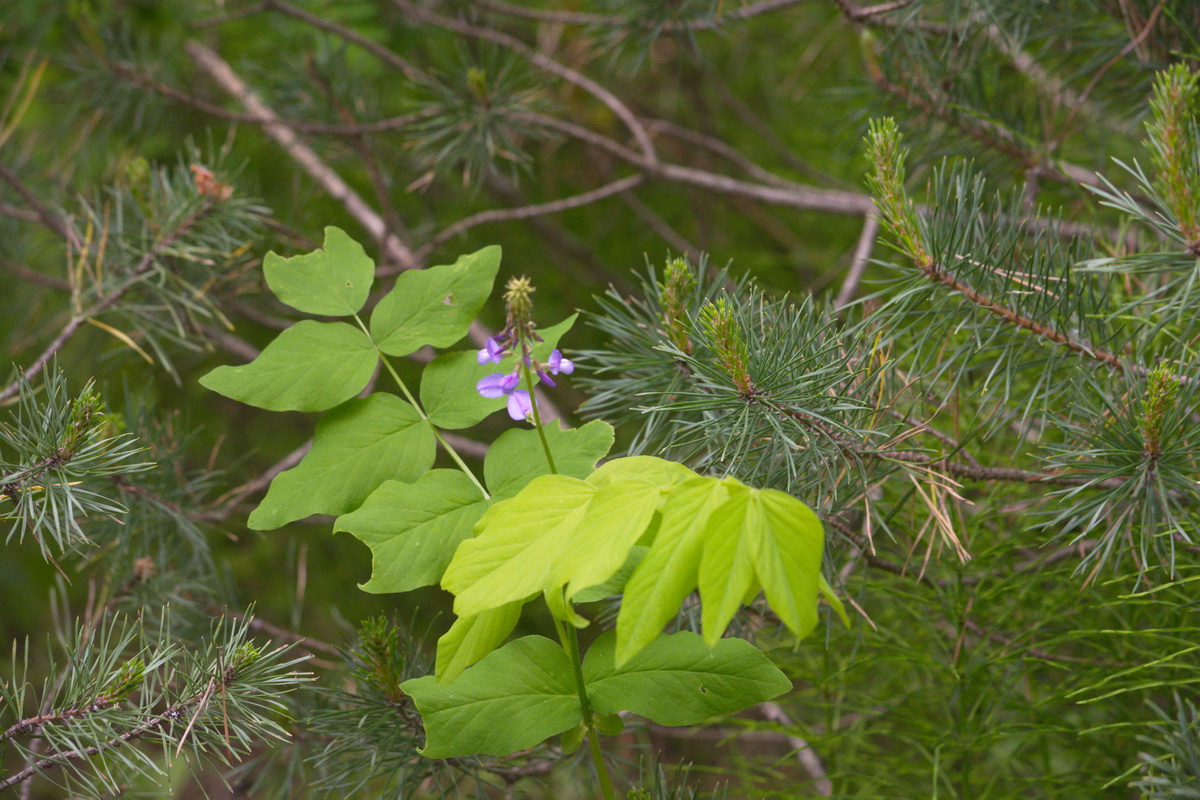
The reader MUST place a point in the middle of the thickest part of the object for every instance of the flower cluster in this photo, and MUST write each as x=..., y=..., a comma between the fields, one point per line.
x=499, y=384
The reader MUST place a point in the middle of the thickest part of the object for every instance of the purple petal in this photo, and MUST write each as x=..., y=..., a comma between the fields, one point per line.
x=519, y=406
x=493, y=351
x=559, y=364
x=492, y=385
x=510, y=382
x=546, y=379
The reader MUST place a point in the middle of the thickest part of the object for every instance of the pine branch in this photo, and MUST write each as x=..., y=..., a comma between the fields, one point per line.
x=112, y=298
x=546, y=63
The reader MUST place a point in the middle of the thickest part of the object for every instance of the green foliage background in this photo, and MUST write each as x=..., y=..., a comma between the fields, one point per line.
x=999, y=676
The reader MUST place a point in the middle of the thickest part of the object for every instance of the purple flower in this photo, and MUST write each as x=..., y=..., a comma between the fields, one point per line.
x=559, y=364
x=546, y=378
x=519, y=406
x=493, y=351
x=497, y=384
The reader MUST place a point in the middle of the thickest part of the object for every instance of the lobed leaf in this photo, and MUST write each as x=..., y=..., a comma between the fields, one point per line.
x=515, y=698
x=413, y=529
x=517, y=456
x=434, y=306
x=311, y=366
x=333, y=281
x=680, y=680
x=356, y=447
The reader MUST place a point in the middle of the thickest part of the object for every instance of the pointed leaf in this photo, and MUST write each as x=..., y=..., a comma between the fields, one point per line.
x=448, y=383
x=517, y=456
x=333, y=281
x=616, y=582
x=434, y=306
x=669, y=571
x=726, y=565
x=678, y=680
x=515, y=698
x=311, y=366
x=413, y=529
x=616, y=517
x=356, y=447
x=572, y=739
x=787, y=558
x=471, y=638
x=518, y=541
x=662, y=473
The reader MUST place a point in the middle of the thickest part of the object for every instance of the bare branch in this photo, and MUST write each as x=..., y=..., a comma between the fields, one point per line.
x=862, y=254
x=540, y=209
x=549, y=65
x=48, y=217
x=302, y=154
x=582, y=18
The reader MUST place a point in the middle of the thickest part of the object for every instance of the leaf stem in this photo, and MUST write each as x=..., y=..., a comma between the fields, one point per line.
x=537, y=417
x=420, y=411
x=570, y=643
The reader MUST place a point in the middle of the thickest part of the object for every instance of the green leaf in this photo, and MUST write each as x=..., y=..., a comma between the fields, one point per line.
x=517, y=456
x=615, y=584
x=356, y=447
x=726, y=572
x=311, y=366
x=414, y=528
x=434, y=306
x=616, y=518
x=834, y=601
x=669, y=571
x=515, y=698
x=728, y=539
x=517, y=542
x=662, y=473
x=787, y=557
x=557, y=531
x=448, y=384
x=573, y=738
x=609, y=724
x=678, y=680
x=473, y=637
x=333, y=281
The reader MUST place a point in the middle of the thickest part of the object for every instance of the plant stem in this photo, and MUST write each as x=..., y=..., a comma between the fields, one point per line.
x=420, y=411
x=537, y=417
x=570, y=643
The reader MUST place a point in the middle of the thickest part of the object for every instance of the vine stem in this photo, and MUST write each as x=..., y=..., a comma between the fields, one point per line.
x=420, y=411
x=566, y=631
x=570, y=643
x=537, y=417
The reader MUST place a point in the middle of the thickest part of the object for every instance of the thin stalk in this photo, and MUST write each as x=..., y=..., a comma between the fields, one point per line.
x=537, y=417
x=421, y=412
x=570, y=644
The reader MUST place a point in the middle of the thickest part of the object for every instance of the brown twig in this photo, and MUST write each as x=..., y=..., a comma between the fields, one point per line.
x=537, y=210
x=302, y=126
x=743, y=12
x=858, y=265
x=48, y=217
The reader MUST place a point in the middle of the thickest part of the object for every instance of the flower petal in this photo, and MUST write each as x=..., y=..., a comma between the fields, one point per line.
x=491, y=386
x=510, y=382
x=519, y=406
